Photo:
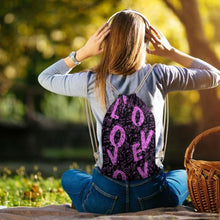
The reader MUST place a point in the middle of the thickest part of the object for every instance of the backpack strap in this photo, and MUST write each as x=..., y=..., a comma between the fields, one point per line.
x=165, y=114
x=112, y=87
x=144, y=79
x=165, y=128
x=92, y=133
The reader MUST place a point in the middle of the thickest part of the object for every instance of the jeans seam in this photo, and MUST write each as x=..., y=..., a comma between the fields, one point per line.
x=114, y=198
x=151, y=196
x=103, y=192
x=140, y=203
x=90, y=189
x=127, y=197
x=148, y=197
x=169, y=197
x=113, y=205
x=184, y=194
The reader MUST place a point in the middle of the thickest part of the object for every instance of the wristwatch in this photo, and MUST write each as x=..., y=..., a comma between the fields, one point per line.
x=73, y=58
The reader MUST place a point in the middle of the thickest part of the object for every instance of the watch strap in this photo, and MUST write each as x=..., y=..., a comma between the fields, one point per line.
x=72, y=55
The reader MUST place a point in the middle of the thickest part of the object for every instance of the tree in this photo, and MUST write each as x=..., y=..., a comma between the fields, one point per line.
x=199, y=46
x=189, y=15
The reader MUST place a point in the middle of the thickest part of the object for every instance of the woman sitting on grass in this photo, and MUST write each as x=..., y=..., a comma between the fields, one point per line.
x=127, y=98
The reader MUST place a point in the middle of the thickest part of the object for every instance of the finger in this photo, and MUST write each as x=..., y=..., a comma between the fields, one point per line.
x=156, y=32
x=152, y=32
x=159, y=34
x=101, y=28
x=152, y=38
x=152, y=28
x=148, y=30
x=104, y=34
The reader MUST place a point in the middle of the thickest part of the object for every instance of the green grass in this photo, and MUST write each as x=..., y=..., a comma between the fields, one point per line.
x=21, y=188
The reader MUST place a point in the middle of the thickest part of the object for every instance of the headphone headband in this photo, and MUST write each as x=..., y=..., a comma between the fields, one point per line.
x=136, y=12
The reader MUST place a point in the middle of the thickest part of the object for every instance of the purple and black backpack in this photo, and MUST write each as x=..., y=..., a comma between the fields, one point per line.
x=128, y=140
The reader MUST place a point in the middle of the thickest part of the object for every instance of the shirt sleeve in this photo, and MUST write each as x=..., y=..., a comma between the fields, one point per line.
x=200, y=75
x=56, y=78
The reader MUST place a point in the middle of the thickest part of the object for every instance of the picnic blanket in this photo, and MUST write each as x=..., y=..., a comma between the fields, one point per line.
x=65, y=212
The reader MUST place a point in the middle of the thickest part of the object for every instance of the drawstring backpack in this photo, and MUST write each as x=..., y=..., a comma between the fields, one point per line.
x=128, y=136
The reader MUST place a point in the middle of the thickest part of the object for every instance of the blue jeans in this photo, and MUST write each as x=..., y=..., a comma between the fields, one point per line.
x=101, y=194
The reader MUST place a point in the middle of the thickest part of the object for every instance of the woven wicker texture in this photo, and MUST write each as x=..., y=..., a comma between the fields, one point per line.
x=203, y=177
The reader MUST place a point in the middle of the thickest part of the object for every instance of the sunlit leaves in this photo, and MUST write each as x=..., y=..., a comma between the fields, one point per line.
x=44, y=46
x=211, y=18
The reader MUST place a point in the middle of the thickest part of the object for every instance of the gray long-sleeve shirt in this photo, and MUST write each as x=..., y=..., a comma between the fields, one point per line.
x=162, y=80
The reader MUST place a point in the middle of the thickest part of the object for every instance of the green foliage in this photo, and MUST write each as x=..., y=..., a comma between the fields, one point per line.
x=63, y=108
x=11, y=109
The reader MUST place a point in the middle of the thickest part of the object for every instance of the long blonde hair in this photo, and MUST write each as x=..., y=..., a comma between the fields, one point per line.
x=124, y=50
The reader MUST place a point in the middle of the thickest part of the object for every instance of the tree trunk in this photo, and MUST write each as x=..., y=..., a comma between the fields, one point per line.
x=199, y=47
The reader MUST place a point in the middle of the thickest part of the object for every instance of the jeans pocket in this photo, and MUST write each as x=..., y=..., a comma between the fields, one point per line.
x=98, y=201
x=151, y=201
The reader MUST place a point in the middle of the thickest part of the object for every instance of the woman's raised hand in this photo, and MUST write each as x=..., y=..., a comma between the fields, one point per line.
x=163, y=48
x=161, y=45
x=94, y=45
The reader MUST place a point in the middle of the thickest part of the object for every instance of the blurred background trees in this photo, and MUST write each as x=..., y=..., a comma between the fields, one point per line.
x=35, y=34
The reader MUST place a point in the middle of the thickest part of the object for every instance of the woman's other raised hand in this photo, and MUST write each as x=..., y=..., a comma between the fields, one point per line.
x=160, y=43
x=92, y=47
x=162, y=47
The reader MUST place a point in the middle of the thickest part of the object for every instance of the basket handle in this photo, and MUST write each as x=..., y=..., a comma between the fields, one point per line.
x=190, y=150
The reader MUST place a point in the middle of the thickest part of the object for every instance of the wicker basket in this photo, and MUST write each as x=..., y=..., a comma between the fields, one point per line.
x=203, y=178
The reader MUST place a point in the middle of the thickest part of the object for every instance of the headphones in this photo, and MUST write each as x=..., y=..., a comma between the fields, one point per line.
x=136, y=12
